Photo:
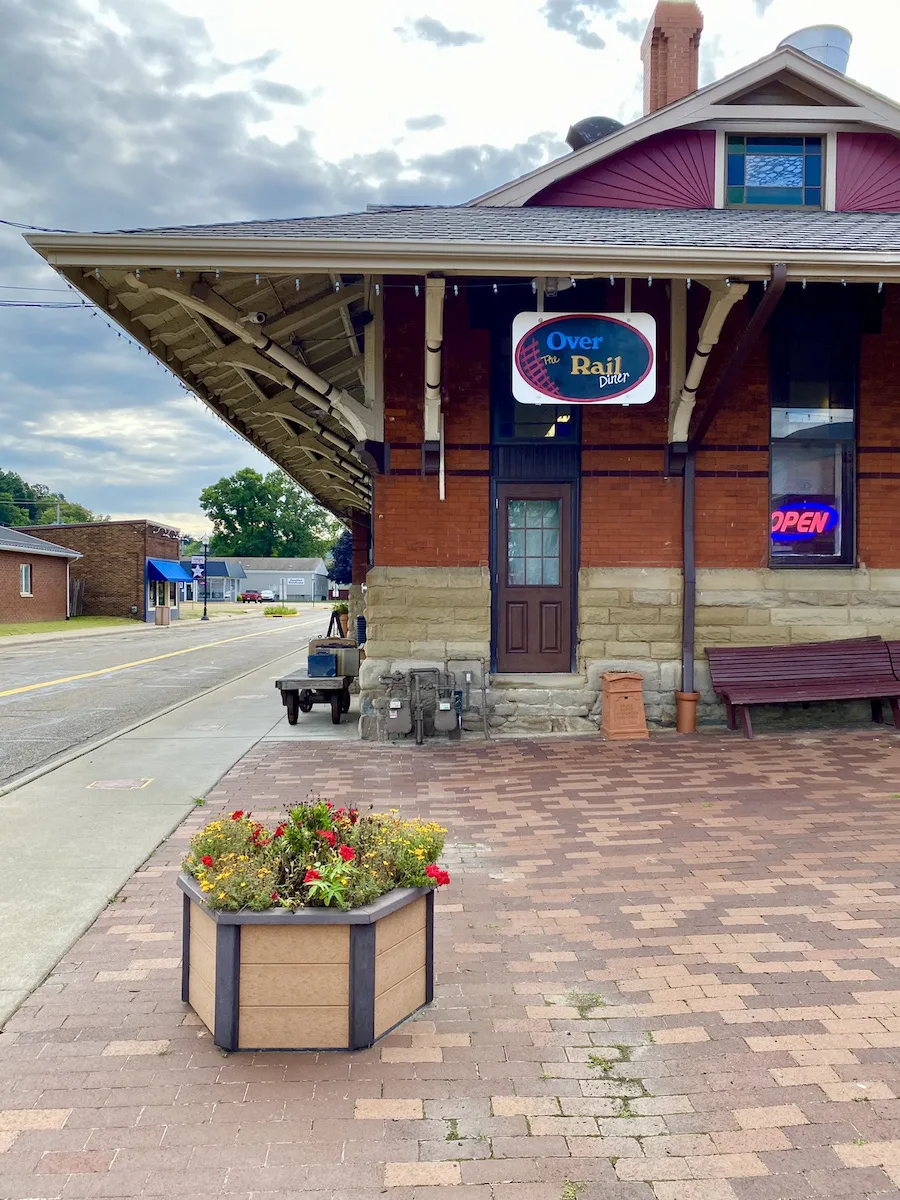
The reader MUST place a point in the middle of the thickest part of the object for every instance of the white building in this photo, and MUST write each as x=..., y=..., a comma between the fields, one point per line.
x=286, y=578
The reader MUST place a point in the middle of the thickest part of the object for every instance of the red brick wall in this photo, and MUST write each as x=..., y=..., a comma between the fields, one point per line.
x=878, y=488
x=48, y=586
x=631, y=514
x=113, y=562
x=413, y=526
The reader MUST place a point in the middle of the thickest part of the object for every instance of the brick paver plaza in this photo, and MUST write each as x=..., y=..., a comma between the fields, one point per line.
x=665, y=970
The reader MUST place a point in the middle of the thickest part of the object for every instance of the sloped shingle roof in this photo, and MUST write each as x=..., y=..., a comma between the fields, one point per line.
x=12, y=539
x=711, y=228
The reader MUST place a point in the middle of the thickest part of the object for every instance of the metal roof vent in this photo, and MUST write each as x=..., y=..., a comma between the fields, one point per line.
x=591, y=129
x=828, y=44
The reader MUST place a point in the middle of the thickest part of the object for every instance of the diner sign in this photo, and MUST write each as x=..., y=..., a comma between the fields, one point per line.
x=584, y=358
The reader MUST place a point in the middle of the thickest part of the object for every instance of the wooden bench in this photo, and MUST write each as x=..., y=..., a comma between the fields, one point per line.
x=855, y=669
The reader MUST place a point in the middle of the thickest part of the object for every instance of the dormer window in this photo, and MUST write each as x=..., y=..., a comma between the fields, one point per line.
x=774, y=172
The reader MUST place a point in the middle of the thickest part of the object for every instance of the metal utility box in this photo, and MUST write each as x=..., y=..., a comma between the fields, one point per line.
x=322, y=665
x=623, y=707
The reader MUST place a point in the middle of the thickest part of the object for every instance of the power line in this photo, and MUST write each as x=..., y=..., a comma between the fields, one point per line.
x=36, y=228
x=11, y=287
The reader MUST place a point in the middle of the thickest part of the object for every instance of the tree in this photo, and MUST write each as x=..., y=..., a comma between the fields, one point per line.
x=342, y=560
x=24, y=503
x=266, y=517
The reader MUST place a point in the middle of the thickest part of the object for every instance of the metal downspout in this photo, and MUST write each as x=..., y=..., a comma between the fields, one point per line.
x=727, y=380
x=689, y=573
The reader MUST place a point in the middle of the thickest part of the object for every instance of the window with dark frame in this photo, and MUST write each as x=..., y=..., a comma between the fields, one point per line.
x=814, y=366
x=774, y=172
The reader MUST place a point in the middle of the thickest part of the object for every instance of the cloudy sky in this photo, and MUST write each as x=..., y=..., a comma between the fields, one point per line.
x=119, y=113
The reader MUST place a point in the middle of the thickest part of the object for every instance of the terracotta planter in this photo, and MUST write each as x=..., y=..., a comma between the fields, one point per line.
x=686, y=711
x=318, y=979
x=344, y=619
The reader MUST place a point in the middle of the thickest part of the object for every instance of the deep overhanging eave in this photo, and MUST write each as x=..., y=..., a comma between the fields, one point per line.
x=517, y=258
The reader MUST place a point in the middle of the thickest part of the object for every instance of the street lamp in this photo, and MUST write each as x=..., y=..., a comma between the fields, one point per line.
x=205, y=543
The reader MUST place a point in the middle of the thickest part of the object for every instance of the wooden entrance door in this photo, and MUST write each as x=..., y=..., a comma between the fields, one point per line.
x=534, y=577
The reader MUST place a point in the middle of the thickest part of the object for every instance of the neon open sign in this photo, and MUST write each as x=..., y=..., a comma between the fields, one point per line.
x=799, y=521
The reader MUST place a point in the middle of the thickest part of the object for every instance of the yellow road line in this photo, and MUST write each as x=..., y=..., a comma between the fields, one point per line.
x=32, y=687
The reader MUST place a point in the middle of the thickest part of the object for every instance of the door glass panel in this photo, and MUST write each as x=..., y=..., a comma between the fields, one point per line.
x=516, y=571
x=533, y=543
x=516, y=514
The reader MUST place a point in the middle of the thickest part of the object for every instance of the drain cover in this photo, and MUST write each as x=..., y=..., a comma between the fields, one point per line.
x=119, y=785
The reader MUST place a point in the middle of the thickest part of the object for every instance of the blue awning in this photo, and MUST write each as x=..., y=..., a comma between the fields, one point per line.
x=164, y=568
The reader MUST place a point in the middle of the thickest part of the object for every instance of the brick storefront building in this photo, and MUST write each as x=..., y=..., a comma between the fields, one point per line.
x=635, y=403
x=116, y=565
x=34, y=578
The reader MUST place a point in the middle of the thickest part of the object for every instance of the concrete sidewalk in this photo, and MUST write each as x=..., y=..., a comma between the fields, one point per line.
x=72, y=837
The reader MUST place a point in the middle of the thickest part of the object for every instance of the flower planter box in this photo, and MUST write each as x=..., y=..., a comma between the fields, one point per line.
x=317, y=979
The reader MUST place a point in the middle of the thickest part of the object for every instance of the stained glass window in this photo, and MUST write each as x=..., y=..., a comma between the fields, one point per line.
x=774, y=172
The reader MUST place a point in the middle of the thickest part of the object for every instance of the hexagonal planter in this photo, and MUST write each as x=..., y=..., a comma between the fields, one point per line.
x=317, y=979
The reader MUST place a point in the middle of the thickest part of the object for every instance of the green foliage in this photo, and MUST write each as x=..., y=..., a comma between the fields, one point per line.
x=266, y=516
x=318, y=856
x=341, y=570
x=24, y=503
x=279, y=610
x=342, y=607
x=585, y=1002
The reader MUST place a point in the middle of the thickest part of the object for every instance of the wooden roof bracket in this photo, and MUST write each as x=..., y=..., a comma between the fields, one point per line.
x=722, y=298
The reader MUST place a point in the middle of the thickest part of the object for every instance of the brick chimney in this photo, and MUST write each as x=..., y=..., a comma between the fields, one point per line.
x=670, y=53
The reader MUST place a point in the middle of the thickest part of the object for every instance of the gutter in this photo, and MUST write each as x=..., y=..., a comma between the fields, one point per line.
x=399, y=256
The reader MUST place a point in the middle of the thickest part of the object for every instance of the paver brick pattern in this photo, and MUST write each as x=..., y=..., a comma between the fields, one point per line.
x=665, y=971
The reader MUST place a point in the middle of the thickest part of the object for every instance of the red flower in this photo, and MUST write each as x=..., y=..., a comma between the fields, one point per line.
x=236, y=816
x=328, y=835
x=433, y=871
x=354, y=816
x=274, y=895
x=339, y=812
x=279, y=831
x=311, y=876
x=441, y=878
x=347, y=854
x=328, y=804
x=207, y=860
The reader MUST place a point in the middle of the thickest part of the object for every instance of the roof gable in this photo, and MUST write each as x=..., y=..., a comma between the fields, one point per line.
x=811, y=85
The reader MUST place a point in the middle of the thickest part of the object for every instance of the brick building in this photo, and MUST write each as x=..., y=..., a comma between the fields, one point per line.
x=128, y=568
x=635, y=403
x=34, y=578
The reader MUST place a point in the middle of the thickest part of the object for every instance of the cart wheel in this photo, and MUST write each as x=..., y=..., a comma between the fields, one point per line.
x=292, y=702
x=336, y=708
x=345, y=700
x=305, y=702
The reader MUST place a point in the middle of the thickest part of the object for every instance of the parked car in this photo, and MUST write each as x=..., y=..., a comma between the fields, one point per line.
x=265, y=595
x=252, y=597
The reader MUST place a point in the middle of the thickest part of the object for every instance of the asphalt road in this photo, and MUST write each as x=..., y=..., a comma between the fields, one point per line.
x=43, y=722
